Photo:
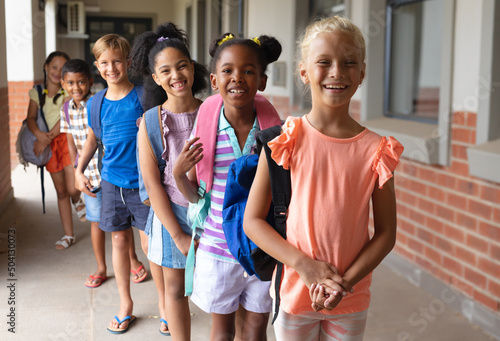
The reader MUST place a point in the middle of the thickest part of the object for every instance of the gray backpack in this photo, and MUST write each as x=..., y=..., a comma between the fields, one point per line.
x=26, y=140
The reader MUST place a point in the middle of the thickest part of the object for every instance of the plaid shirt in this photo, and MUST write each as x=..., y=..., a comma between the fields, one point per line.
x=78, y=128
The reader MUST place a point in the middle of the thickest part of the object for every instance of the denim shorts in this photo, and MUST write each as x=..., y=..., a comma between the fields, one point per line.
x=93, y=207
x=121, y=208
x=161, y=247
x=220, y=287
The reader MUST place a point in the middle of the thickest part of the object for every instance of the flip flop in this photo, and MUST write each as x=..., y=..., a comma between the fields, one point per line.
x=164, y=332
x=135, y=272
x=98, y=284
x=122, y=330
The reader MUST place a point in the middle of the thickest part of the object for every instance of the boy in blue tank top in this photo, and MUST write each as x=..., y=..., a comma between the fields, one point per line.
x=122, y=207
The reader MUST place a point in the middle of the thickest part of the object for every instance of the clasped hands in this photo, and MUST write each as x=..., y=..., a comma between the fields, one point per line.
x=43, y=140
x=326, y=286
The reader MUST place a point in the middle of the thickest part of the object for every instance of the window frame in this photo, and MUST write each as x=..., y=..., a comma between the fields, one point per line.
x=424, y=142
x=391, y=6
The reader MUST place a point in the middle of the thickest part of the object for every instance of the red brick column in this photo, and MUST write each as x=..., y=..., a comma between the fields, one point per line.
x=6, y=191
x=18, y=109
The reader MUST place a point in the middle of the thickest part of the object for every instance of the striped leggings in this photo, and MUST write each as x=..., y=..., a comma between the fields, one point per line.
x=313, y=326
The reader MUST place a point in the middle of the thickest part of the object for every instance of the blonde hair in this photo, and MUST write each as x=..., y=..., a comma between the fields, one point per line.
x=111, y=41
x=330, y=25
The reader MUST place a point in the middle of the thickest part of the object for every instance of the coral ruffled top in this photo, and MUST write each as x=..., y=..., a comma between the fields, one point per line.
x=332, y=183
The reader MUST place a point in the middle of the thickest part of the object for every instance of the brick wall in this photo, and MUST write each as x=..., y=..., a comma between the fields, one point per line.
x=449, y=221
x=18, y=109
x=5, y=167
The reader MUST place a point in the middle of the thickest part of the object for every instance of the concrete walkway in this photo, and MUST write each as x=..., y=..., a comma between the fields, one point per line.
x=42, y=289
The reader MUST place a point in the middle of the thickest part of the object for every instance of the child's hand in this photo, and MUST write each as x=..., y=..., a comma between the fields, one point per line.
x=42, y=141
x=183, y=242
x=190, y=155
x=82, y=183
x=321, y=299
x=39, y=147
x=52, y=135
x=313, y=271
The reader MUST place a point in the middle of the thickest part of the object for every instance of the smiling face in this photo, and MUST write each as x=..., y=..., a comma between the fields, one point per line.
x=53, y=70
x=77, y=85
x=238, y=76
x=174, y=72
x=334, y=70
x=112, y=66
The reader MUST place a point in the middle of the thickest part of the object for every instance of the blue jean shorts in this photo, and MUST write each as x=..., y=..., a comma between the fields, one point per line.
x=93, y=207
x=121, y=208
x=161, y=247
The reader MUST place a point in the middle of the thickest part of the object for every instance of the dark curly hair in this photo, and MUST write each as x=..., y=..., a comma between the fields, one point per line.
x=144, y=51
x=268, y=49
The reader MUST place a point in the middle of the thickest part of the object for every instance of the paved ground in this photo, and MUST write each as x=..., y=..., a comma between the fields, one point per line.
x=50, y=301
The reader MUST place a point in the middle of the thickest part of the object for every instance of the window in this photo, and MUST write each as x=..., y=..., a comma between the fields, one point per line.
x=412, y=59
x=326, y=8
x=426, y=136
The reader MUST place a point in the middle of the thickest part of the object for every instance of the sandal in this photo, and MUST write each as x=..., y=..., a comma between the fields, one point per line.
x=81, y=212
x=118, y=330
x=66, y=241
x=95, y=281
x=136, y=272
x=164, y=332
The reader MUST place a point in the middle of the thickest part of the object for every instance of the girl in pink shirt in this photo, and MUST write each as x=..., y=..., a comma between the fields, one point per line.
x=337, y=166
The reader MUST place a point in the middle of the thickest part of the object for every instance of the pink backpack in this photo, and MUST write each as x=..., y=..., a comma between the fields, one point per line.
x=206, y=129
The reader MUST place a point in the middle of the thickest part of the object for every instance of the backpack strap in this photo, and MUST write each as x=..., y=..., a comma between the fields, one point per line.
x=139, y=89
x=66, y=110
x=95, y=119
x=66, y=115
x=154, y=129
x=41, y=102
x=206, y=129
x=281, y=188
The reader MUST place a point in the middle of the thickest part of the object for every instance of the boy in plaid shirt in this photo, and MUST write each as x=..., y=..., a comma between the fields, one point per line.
x=77, y=80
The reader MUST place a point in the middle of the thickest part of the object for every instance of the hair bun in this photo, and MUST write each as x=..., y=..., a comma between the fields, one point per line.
x=170, y=30
x=271, y=46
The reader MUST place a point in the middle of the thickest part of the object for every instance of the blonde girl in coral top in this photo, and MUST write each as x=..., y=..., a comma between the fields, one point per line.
x=337, y=166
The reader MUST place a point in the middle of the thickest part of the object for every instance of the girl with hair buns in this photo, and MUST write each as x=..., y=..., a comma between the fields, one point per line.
x=226, y=128
x=337, y=167
x=172, y=80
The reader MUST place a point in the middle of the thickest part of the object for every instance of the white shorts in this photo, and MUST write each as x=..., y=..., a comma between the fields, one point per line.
x=220, y=287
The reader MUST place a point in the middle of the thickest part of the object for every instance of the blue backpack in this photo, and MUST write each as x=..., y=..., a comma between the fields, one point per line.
x=154, y=129
x=239, y=180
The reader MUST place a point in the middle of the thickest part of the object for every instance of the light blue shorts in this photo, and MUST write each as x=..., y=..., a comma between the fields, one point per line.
x=220, y=287
x=161, y=247
x=93, y=207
